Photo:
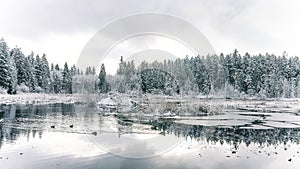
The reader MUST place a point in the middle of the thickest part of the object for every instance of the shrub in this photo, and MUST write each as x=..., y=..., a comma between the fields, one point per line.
x=22, y=88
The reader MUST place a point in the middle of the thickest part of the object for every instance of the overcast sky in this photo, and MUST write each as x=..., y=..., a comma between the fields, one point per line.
x=61, y=28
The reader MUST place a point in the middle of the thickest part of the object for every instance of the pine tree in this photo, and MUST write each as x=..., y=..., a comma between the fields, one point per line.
x=93, y=70
x=201, y=75
x=12, y=76
x=56, y=79
x=30, y=66
x=74, y=70
x=19, y=58
x=45, y=74
x=102, y=84
x=122, y=66
x=38, y=71
x=4, y=71
x=4, y=65
x=66, y=80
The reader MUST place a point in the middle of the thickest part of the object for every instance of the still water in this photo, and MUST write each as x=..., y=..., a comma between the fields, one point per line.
x=81, y=136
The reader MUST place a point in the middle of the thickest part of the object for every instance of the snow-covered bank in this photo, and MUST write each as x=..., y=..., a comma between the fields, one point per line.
x=158, y=102
x=35, y=98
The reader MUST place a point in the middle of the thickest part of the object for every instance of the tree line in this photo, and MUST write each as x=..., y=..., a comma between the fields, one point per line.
x=32, y=73
x=231, y=75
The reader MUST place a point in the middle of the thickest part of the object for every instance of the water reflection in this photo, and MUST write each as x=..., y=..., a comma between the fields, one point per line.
x=231, y=135
x=22, y=120
x=66, y=136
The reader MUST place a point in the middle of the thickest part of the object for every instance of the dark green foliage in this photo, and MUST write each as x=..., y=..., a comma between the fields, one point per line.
x=66, y=80
x=157, y=79
x=200, y=74
x=103, y=86
x=235, y=74
x=4, y=71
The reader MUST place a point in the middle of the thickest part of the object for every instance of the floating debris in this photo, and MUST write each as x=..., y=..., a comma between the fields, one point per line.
x=94, y=133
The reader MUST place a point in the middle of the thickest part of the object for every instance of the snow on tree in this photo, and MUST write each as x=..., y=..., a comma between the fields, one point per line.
x=103, y=86
x=4, y=71
x=38, y=71
x=84, y=84
x=19, y=58
x=45, y=72
x=13, y=79
x=30, y=66
x=56, y=79
x=200, y=73
x=66, y=79
x=233, y=75
x=4, y=67
x=8, y=76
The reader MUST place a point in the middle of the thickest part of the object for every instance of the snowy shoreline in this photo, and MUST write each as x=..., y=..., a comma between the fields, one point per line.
x=291, y=105
x=37, y=98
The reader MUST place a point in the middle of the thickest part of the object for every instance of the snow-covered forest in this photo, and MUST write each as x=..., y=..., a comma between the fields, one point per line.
x=232, y=75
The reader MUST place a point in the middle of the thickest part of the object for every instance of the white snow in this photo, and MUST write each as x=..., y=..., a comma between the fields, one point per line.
x=37, y=98
x=108, y=102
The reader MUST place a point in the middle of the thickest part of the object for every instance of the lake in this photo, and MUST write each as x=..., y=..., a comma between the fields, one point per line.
x=163, y=135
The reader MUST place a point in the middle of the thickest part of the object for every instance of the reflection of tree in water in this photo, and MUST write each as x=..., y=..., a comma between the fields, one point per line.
x=17, y=118
x=230, y=135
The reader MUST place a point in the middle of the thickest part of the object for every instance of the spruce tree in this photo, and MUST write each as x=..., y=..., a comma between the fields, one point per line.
x=30, y=66
x=66, y=79
x=20, y=62
x=38, y=71
x=4, y=71
x=45, y=73
x=12, y=76
x=102, y=84
x=4, y=65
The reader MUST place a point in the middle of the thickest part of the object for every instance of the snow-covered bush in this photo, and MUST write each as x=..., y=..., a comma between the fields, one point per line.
x=84, y=84
x=169, y=91
x=39, y=90
x=231, y=92
x=156, y=91
x=2, y=90
x=22, y=88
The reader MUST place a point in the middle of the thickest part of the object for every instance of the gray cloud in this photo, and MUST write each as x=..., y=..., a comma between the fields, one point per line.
x=32, y=18
x=254, y=26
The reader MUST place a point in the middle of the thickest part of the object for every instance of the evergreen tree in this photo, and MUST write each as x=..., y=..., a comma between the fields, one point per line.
x=45, y=74
x=66, y=79
x=12, y=76
x=5, y=74
x=74, y=70
x=4, y=71
x=8, y=76
x=38, y=72
x=93, y=70
x=29, y=64
x=102, y=83
x=56, y=79
x=201, y=75
x=22, y=70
